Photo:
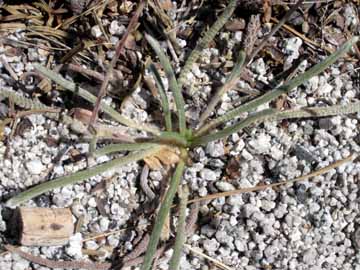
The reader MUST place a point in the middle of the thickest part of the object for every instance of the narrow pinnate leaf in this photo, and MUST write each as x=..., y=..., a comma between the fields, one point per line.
x=174, y=263
x=117, y=147
x=174, y=87
x=205, y=40
x=92, y=99
x=164, y=211
x=230, y=82
x=163, y=97
x=274, y=115
x=78, y=176
x=252, y=105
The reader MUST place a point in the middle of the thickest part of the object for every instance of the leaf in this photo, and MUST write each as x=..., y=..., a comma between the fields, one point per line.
x=167, y=156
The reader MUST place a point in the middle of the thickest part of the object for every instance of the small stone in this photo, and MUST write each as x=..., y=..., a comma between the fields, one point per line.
x=240, y=245
x=215, y=149
x=74, y=249
x=96, y=31
x=356, y=238
x=261, y=144
x=238, y=36
x=267, y=205
x=224, y=186
x=208, y=175
x=211, y=245
x=104, y=224
x=92, y=202
x=20, y=264
x=116, y=28
x=259, y=66
x=292, y=46
x=35, y=166
x=326, y=123
x=309, y=256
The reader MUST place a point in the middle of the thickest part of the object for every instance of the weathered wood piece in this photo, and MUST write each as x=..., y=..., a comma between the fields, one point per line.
x=45, y=226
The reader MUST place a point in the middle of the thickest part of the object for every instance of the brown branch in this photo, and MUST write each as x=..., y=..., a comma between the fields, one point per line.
x=58, y=264
x=119, y=47
x=274, y=30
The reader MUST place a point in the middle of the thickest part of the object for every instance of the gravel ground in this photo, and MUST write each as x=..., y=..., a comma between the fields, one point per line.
x=309, y=225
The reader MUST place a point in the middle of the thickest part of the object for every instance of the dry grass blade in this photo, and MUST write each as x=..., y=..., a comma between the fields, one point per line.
x=119, y=48
x=286, y=182
x=201, y=254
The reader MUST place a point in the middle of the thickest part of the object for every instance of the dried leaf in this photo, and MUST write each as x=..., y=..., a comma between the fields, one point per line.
x=153, y=163
x=235, y=25
x=167, y=156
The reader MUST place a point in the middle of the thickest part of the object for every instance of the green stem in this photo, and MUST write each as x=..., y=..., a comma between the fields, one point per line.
x=160, y=220
x=251, y=105
x=78, y=176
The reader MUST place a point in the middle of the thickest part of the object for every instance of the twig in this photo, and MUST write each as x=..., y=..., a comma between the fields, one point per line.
x=138, y=250
x=274, y=30
x=78, y=264
x=119, y=48
x=144, y=183
x=58, y=264
x=192, y=218
x=286, y=182
x=9, y=69
x=84, y=71
x=201, y=254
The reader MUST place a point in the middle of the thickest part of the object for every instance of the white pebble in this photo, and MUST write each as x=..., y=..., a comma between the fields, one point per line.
x=96, y=31
x=35, y=166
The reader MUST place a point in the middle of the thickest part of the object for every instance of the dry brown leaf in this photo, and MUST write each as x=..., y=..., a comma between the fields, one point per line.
x=166, y=156
x=153, y=163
